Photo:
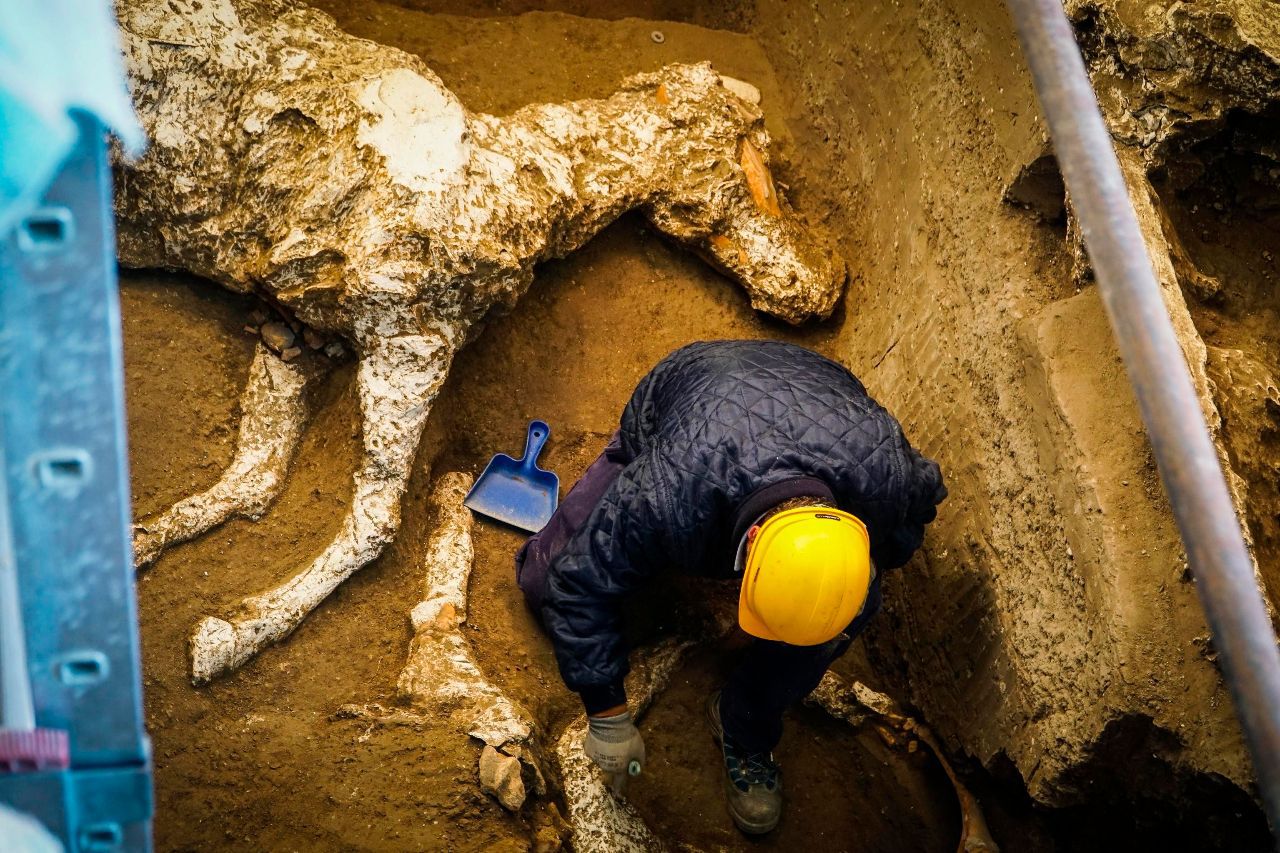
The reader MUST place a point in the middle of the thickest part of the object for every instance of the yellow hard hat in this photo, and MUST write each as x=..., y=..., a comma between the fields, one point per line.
x=807, y=574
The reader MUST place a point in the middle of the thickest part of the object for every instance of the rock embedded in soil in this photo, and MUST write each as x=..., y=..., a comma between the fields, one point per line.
x=277, y=335
x=500, y=778
x=743, y=90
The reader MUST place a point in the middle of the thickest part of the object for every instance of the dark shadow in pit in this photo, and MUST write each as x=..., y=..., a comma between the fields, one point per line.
x=1219, y=188
x=845, y=790
x=1176, y=812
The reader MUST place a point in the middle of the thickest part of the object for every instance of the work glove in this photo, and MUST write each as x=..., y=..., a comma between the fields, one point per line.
x=613, y=743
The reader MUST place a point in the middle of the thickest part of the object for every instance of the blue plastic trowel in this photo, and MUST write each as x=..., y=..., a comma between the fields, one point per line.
x=517, y=491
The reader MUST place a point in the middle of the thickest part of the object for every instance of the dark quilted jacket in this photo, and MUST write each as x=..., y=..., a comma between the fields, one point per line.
x=713, y=424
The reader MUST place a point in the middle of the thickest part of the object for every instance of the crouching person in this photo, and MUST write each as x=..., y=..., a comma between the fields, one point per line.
x=760, y=461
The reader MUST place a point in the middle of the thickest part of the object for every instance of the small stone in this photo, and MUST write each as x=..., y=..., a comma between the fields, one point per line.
x=312, y=338
x=291, y=353
x=335, y=349
x=552, y=831
x=257, y=316
x=278, y=336
x=500, y=778
x=742, y=89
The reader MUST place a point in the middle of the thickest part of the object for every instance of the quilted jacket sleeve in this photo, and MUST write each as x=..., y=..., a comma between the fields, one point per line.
x=621, y=543
x=924, y=491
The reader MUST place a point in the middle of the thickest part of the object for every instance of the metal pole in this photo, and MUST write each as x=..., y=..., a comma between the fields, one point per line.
x=1184, y=452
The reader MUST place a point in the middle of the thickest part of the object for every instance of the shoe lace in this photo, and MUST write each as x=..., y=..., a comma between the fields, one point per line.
x=751, y=768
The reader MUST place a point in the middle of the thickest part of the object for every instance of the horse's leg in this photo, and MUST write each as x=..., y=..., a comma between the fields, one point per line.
x=398, y=379
x=272, y=414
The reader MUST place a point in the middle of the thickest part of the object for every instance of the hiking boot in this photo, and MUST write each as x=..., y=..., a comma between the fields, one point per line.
x=752, y=781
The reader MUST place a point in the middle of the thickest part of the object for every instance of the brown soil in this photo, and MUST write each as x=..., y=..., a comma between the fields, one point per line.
x=845, y=790
x=259, y=760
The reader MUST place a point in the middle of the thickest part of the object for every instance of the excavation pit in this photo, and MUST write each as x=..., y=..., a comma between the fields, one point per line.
x=898, y=129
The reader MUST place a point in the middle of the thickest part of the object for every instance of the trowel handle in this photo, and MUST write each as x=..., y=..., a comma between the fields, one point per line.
x=538, y=434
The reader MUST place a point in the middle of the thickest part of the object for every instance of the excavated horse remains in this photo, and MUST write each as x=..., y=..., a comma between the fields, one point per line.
x=441, y=678
x=340, y=181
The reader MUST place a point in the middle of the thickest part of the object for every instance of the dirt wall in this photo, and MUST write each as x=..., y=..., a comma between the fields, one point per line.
x=1052, y=606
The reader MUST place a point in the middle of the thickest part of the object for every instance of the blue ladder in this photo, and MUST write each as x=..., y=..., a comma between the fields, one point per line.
x=66, y=470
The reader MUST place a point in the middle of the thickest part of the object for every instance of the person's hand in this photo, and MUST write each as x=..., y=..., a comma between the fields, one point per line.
x=613, y=743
